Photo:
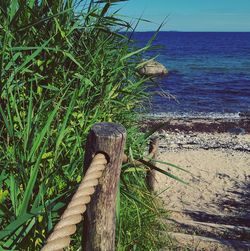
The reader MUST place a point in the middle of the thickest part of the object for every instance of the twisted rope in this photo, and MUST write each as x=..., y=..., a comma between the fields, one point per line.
x=60, y=237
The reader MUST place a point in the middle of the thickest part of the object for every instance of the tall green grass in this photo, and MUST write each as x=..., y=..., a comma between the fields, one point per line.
x=140, y=225
x=63, y=67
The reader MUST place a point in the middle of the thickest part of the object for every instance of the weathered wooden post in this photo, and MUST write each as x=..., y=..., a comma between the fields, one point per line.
x=151, y=174
x=99, y=219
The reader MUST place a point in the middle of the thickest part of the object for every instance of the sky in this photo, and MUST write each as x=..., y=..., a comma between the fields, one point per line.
x=190, y=15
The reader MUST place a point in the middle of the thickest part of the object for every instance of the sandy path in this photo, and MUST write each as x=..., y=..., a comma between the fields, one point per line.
x=213, y=211
x=219, y=181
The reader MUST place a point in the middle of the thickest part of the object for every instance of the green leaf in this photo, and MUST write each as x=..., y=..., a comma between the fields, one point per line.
x=14, y=225
x=29, y=120
x=71, y=57
x=31, y=183
x=135, y=52
x=6, y=122
x=62, y=131
x=13, y=193
x=40, y=136
x=168, y=164
x=162, y=171
x=28, y=60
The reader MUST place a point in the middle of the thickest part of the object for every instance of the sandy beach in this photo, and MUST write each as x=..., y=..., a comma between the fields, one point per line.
x=215, y=203
x=218, y=180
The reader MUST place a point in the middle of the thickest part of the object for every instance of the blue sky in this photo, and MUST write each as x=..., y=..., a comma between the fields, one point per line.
x=190, y=15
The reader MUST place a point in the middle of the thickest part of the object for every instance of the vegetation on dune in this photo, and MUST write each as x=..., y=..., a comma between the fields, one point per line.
x=64, y=67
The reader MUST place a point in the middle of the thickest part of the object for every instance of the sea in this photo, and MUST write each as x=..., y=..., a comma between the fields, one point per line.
x=209, y=73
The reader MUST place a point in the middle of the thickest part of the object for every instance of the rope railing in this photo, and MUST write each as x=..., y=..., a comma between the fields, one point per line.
x=60, y=237
x=98, y=207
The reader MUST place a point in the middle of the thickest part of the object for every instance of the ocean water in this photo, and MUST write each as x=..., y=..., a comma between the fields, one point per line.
x=209, y=73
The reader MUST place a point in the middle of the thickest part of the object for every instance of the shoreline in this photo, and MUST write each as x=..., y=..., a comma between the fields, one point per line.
x=179, y=141
x=233, y=125
x=215, y=152
x=179, y=134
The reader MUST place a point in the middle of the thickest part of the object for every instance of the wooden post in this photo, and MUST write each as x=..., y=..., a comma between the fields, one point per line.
x=151, y=174
x=99, y=219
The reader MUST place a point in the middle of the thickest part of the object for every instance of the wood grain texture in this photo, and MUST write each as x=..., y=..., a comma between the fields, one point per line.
x=99, y=220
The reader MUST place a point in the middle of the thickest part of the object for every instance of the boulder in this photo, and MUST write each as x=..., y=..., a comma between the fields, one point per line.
x=153, y=68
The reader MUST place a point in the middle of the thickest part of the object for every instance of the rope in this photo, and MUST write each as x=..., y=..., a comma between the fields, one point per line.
x=73, y=214
x=60, y=237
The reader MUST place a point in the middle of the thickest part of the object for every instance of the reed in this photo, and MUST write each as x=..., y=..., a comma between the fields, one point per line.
x=64, y=65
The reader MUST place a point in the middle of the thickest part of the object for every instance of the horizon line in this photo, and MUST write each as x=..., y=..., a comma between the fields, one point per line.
x=193, y=31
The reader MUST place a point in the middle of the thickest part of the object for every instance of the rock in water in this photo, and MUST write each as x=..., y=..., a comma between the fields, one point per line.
x=153, y=68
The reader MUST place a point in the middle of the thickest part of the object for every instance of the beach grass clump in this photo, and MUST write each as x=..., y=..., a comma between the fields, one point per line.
x=63, y=67
x=141, y=223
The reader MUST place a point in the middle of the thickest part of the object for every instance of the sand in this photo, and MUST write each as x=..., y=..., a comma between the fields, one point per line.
x=219, y=181
x=212, y=212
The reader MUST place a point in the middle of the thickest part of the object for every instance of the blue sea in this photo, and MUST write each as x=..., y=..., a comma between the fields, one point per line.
x=209, y=73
